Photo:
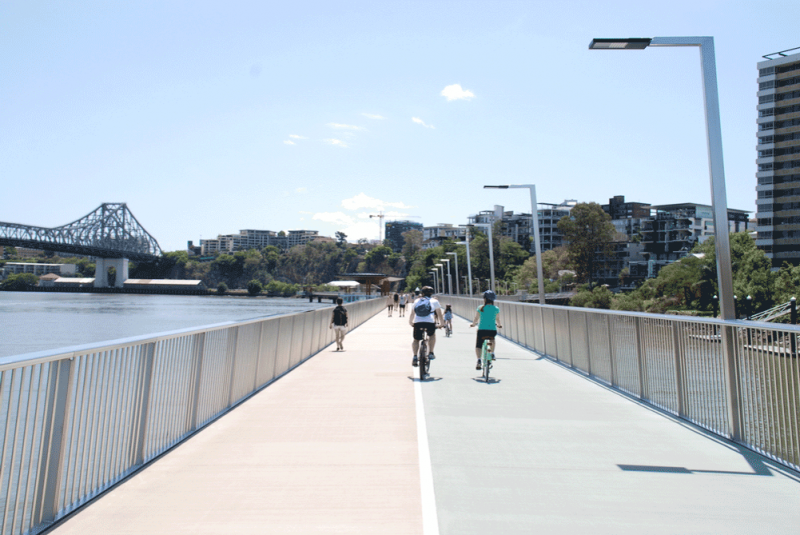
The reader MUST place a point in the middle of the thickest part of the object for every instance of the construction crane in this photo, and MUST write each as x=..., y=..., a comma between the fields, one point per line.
x=380, y=217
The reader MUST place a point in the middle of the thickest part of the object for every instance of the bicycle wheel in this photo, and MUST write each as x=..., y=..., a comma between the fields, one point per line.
x=486, y=360
x=423, y=360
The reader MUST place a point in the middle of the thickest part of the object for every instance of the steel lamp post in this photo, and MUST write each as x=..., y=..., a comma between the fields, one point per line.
x=449, y=278
x=441, y=278
x=469, y=261
x=435, y=280
x=455, y=256
x=491, y=253
x=719, y=201
x=535, y=229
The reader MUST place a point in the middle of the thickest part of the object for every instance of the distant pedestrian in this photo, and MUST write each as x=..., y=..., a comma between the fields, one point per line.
x=390, y=304
x=402, y=304
x=339, y=324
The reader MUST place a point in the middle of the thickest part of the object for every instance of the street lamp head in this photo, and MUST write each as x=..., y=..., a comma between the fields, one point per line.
x=631, y=43
x=495, y=187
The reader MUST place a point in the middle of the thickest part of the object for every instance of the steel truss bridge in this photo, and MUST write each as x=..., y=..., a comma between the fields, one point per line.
x=110, y=231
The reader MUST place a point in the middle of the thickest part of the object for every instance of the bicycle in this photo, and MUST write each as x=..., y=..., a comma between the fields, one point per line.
x=447, y=330
x=486, y=359
x=423, y=362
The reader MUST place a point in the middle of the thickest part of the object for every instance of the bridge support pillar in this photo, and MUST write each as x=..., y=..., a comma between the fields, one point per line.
x=120, y=265
x=100, y=273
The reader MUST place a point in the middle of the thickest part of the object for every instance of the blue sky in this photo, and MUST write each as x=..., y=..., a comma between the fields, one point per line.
x=211, y=117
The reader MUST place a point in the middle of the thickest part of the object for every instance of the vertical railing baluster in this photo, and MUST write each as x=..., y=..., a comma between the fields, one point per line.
x=727, y=333
x=51, y=460
x=679, y=375
x=146, y=373
x=611, y=352
x=569, y=337
x=588, y=345
x=233, y=338
x=197, y=377
x=640, y=358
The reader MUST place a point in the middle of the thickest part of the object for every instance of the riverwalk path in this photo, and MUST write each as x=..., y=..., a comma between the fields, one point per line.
x=350, y=442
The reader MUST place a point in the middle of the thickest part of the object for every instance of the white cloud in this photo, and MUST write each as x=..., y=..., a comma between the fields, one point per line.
x=290, y=142
x=295, y=136
x=364, y=229
x=340, y=126
x=372, y=116
x=302, y=190
x=337, y=218
x=361, y=202
x=456, y=92
x=360, y=225
x=420, y=121
x=336, y=142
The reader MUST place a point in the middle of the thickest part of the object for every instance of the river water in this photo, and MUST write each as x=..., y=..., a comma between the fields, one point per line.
x=39, y=321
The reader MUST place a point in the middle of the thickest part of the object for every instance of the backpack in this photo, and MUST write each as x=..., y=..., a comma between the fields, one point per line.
x=339, y=316
x=423, y=308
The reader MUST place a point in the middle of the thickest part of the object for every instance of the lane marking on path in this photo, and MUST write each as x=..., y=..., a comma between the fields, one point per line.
x=430, y=519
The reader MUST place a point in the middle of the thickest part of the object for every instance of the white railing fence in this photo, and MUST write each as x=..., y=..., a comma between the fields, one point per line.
x=75, y=422
x=738, y=379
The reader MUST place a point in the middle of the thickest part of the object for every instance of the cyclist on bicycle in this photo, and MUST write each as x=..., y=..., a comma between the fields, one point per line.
x=487, y=318
x=425, y=323
x=448, y=318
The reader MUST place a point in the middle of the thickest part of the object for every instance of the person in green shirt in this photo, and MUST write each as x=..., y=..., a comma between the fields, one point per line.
x=487, y=318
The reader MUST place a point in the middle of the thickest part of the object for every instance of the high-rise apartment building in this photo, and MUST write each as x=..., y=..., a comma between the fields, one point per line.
x=778, y=175
x=394, y=232
x=549, y=235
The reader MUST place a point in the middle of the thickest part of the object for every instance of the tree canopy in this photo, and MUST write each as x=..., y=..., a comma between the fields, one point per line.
x=589, y=233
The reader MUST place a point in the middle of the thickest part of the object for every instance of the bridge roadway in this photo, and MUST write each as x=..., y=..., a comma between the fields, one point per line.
x=336, y=446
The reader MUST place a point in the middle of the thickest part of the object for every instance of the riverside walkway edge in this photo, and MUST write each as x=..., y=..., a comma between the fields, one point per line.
x=334, y=447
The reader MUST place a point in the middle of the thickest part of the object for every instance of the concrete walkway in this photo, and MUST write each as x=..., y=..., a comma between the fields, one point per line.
x=333, y=448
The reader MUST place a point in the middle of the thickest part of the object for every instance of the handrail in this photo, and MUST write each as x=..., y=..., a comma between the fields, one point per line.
x=78, y=420
x=737, y=379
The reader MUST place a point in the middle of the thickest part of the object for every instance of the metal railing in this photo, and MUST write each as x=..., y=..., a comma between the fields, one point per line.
x=745, y=386
x=75, y=422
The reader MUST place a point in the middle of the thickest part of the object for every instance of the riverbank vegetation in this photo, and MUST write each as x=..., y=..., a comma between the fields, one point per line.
x=687, y=286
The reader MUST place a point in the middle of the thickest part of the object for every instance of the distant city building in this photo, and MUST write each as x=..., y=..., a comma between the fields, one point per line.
x=434, y=236
x=395, y=230
x=617, y=208
x=670, y=234
x=300, y=237
x=778, y=174
x=515, y=226
x=15, y=268
x=253, y=239
x=518, y=227
x=24, y=252
x=627, y=249
x=549, y=235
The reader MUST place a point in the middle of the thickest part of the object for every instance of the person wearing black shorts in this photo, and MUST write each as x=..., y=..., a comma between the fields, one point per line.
x=402, y=305
x=487, y=318
x=427, y=323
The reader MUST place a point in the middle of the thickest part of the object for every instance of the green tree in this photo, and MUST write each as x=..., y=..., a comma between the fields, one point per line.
x=589, y=233
x=787, y=283
x=599, y=297
x=341, y=239
x=254, y=287
x=752, y=271
x=412, y=242
x=222, y=288
x=19, y=282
